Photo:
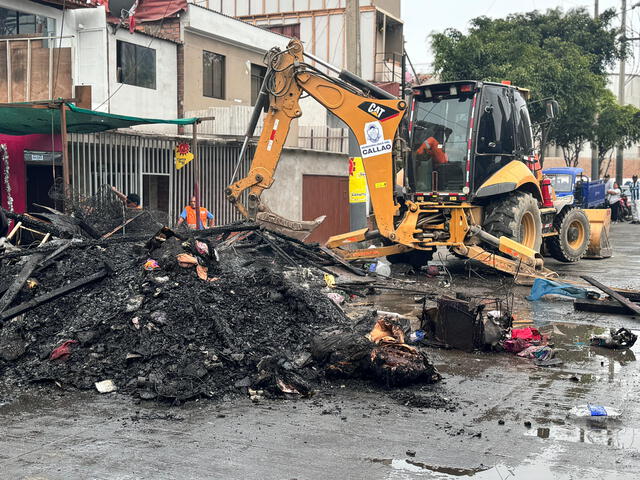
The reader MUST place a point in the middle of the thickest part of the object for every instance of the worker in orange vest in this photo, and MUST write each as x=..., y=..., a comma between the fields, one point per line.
x=432, y=148
x=189, y=215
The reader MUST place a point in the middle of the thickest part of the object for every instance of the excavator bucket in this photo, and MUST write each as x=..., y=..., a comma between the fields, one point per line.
x=299, y=230
x=599, y=243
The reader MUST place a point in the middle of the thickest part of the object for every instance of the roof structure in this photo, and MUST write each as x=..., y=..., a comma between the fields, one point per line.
x=26, y=119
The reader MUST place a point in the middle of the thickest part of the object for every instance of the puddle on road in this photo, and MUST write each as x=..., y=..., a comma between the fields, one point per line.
x=542, y=466
x=596, y=434
x=417, y=467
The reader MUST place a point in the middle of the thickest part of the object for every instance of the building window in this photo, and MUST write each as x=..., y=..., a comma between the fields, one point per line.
x=136, y=65
x=258, y=73
x=292, y=30
x=13, y=22
x=212, y=75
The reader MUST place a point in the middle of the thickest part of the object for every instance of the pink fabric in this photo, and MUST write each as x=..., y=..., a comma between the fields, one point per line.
x=515, y=345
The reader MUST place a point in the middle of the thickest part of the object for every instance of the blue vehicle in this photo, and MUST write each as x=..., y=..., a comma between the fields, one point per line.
x=572, y=181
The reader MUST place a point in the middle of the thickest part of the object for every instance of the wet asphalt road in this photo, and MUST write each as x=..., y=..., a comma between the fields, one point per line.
x=512, y=418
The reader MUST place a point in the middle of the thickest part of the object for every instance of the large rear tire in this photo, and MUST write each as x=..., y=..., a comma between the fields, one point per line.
x=515, y=216
x=574, y=233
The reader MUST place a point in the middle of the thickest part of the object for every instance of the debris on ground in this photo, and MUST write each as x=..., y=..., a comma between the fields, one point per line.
x=381, y=354
x=616, y=339
x=474, y=324
x=177, y=315
x=544, y=286
x=595, y=412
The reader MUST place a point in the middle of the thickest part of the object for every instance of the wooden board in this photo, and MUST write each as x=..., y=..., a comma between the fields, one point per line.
x=600, y=306
x=613, y=294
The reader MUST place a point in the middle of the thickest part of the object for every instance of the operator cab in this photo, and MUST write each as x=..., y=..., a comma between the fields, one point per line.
x=461, y=133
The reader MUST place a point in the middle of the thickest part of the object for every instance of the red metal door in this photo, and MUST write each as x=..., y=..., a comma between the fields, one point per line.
x=326, y=195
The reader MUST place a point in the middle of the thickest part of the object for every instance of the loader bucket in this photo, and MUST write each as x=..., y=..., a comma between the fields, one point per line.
x=299, y=230
x=599, y=243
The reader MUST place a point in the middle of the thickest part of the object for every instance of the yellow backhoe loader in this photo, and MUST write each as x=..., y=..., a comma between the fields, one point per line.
x=469, y=178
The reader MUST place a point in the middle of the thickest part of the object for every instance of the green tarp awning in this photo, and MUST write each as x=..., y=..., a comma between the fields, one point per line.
x=19, y=120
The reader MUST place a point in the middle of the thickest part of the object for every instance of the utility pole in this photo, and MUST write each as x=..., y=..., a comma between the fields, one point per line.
x=595, y=167
x=621, y=84
x=357, y=201
x=352, y=21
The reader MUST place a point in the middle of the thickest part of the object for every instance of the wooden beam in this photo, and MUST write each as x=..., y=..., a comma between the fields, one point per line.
x=66, y=175
x=28, y=268
x=47, y=297
x=613, y=294
x=600, y=306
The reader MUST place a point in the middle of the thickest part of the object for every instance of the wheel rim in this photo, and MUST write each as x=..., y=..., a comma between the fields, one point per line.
x=575, y=234
x=528, y=230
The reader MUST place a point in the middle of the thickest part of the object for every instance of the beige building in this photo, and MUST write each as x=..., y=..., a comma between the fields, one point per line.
x=223, y=59
x=321, y=26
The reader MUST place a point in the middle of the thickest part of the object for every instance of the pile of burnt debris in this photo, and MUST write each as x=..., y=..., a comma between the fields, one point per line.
x=177, y=315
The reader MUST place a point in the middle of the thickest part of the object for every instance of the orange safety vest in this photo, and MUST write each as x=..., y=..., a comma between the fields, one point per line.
x=430, y=146
x=191, y=216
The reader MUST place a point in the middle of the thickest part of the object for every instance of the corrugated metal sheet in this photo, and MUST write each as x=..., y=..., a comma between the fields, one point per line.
x=122, y=160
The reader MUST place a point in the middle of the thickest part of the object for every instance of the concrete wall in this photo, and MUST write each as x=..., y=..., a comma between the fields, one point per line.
x=237, y=72
x=390, y=6
x=92, y=54
x=285, y=195
x=160, y=102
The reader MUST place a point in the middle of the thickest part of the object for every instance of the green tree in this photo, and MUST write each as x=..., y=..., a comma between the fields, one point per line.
x=616, y=126
x=554, y=54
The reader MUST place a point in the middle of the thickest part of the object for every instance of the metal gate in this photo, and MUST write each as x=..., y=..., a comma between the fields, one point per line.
x=121, y=160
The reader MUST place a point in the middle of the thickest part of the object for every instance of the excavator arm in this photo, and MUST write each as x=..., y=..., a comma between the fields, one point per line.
x=373, y=121
x=374, y=117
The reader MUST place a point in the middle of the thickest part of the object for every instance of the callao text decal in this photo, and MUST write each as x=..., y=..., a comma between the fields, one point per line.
x=376, y=144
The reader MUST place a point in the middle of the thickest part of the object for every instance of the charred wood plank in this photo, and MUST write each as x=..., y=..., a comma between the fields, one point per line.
x=345, y=264
x=28, y=268
x=278, y=251
x=613, y=294
x=47, y=297
x=600, y=306
x=38, y=225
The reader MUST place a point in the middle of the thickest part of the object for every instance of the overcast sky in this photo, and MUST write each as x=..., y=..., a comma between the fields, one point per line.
x=422, y=17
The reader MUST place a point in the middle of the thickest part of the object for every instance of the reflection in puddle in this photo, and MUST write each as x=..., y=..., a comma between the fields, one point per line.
x=591, y=433
x=541, y=467
x=417, y=467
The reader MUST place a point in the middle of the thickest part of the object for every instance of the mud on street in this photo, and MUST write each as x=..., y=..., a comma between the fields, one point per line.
x=492, y=416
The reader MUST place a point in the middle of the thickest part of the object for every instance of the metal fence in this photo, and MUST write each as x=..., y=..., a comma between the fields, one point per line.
x=124, y=160
x=324, y=138
x=233, y=121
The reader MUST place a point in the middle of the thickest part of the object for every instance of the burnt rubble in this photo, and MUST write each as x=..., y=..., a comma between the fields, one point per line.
x=177, y=316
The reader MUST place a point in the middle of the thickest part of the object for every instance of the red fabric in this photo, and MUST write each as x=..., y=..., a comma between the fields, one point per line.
x=528, y=334
x=63, y=351
x=152, y=10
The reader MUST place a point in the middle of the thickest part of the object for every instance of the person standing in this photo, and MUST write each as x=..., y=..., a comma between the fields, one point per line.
x=613, y=198
x=189, y=215
x=634, y=193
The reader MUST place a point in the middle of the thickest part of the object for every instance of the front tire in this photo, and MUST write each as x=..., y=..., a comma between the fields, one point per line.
x=574, y=233
x=515, y=216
